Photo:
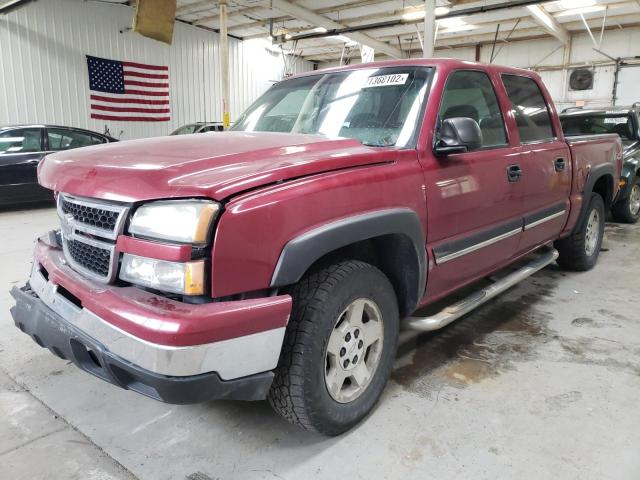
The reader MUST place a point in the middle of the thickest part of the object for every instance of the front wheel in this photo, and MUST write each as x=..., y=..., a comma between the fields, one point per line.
x=580, y=250
x=628, y=210
x=339, y=347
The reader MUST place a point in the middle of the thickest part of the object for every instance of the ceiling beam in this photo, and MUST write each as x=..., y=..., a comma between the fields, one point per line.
x=318, y=20
x=549, y=23
x=320, y=11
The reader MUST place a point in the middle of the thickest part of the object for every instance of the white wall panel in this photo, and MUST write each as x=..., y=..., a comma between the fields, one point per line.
x=44, y=79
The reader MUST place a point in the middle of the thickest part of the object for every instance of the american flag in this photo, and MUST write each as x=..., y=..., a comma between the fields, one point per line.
x=128, y=91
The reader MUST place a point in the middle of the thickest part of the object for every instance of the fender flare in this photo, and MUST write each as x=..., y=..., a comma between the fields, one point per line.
x=595, y=174
x=302, y=251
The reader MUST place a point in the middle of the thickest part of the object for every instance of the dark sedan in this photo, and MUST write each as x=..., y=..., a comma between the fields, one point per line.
x=21, y=149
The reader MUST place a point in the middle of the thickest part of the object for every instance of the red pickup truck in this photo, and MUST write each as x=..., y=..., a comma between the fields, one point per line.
x=278, y=260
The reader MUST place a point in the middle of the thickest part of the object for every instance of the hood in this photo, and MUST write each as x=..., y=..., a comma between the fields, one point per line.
x=214, y=165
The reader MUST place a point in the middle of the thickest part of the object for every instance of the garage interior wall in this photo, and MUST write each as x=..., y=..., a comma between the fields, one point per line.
x=44, y=79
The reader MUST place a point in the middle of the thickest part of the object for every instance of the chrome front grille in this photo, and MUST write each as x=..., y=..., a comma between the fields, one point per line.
x=89, y=231
x=93, y=216
x=92, y=258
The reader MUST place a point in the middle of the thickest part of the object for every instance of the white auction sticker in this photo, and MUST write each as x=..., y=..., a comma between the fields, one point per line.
x=386, y=80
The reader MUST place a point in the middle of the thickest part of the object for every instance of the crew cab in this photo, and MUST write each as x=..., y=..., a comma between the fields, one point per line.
x=619, y=120
x=279, y=260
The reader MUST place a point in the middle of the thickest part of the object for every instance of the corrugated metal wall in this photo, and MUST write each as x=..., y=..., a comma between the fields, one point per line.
x=43, y=73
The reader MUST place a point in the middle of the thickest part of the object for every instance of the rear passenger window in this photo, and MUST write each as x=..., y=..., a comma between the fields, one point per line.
x=470, y=94
x=530, y=109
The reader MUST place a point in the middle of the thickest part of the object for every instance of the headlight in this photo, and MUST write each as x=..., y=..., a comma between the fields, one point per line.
x=175, y=277
x=187, y=221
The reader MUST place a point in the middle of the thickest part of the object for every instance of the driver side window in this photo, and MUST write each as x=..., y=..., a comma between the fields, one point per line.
x=469, y=93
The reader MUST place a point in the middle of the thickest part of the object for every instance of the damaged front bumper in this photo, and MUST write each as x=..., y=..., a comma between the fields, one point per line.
x=226, y=367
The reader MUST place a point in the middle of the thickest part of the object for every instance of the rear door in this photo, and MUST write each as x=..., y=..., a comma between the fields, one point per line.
x=20, y=151
x=546, y=162
x=474, y=208
x=67, y=139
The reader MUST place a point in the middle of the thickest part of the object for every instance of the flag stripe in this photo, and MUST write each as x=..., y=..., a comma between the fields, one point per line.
x=146, y=84
x=129, y=109
x=146, y=92
x=129, y=119
x=142, y=65
x=125, y=99
x=129, y=73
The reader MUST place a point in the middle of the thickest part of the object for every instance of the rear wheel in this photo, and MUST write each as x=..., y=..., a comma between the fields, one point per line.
x=339, y=347
x=628, y=210
x=580, y=250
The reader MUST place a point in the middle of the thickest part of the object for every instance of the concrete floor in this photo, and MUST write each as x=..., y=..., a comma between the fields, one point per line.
x=541, y=383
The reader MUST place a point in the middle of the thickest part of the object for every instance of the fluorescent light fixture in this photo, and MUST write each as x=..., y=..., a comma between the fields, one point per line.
x=345, y=39
x=415, y=15
x=459, y=28
x=582, y=10
x=320, y=30
x=418, y=14
x=571, y=4
x=452, y=22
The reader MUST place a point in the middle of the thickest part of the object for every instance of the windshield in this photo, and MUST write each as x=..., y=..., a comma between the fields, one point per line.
x=620, y=124
x=378, y=106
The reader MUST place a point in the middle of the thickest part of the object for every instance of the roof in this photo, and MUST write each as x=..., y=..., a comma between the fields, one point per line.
x=424, y=62
x=614, y=109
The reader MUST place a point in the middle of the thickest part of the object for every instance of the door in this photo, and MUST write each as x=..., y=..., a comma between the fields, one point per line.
x=21, y=149
x=473, y=198
x=546, y=163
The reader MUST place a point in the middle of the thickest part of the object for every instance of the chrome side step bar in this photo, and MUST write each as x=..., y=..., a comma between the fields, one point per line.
x=464, y=306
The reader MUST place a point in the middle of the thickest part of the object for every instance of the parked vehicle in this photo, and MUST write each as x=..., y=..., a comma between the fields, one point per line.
x=623, y=121
x=22, y=147
x=277, y=260
x=199, y=127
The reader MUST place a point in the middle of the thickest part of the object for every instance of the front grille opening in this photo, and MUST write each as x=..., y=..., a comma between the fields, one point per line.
x=94, y=259
x=69, y=296
x=95, y=217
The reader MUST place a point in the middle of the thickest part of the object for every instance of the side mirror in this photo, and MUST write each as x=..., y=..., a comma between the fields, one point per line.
x=457, y=135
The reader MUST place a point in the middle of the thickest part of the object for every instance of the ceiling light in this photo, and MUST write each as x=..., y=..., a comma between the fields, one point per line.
x=320, y=30
x=415, y=15
x=418, y=14
x=345, y=39
x=287, y=36
x=451, y=22
x=459, y=28
x=582, y=10
x=569, y=4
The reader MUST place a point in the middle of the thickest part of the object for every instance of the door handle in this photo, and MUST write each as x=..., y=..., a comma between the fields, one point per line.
x=514, y=172
x=559, y=164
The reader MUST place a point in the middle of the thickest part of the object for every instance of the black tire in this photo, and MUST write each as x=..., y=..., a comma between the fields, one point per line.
x=573, y=249
x=299, y=392
x=625, y=211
